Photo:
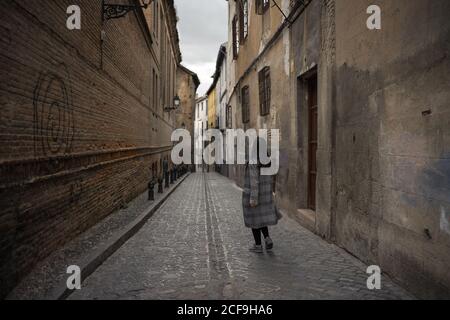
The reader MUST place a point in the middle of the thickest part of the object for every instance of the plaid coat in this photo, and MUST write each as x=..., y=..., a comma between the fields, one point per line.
x=259, y=188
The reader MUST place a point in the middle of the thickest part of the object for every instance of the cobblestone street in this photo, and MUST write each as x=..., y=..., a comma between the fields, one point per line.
x=196, y=247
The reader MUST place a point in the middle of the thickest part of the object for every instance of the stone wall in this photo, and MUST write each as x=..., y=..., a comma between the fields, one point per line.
x=393, y=140
x=383, y=165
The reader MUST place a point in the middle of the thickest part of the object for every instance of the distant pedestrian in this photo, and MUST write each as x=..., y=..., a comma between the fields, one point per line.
x=259, y=207
x=166, y=172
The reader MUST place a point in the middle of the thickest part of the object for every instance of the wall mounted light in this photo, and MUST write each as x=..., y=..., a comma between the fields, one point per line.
x=115, y=11
x=176, y=104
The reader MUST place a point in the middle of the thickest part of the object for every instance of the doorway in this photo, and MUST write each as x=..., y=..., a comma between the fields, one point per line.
x=312, y=140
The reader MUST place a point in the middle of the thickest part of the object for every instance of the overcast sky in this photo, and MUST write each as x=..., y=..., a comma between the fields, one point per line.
x=203, y=28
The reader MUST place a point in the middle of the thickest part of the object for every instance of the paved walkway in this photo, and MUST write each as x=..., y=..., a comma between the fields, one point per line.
x=196, y=247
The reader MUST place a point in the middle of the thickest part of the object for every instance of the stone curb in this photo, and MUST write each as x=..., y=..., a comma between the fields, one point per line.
x=89, y=264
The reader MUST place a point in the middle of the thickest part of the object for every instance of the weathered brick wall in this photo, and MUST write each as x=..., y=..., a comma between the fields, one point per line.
x=78, y=129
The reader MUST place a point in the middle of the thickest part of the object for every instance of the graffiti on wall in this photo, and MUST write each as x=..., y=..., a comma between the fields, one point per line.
x=76, y=190
x=54, y=126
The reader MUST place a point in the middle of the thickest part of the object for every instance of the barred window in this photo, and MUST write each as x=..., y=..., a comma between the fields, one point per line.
x=235, y=37
x=229, y=117
x=244, y=19
x=264, y=91
x=245, y=101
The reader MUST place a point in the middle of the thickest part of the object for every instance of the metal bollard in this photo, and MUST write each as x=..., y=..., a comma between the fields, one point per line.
x=166, y=176
x=160, y=186
x=151, y=190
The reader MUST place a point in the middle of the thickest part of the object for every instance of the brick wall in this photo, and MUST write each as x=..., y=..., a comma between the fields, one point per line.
x=78, y=129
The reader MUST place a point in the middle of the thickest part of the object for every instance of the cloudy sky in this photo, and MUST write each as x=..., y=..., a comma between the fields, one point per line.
x=203, y=28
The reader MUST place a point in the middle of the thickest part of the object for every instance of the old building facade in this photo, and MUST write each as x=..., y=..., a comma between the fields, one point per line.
x=363, y=118
x=212, y=107
x=219, y=91
x=200, y=125
x=222, y=91
x=187, y=85
x=84, y=120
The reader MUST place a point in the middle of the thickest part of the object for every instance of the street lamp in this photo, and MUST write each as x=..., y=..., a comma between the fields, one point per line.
x=115, y=11
x=176, y=104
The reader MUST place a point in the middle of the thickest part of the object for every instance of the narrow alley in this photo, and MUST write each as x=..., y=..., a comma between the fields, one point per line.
x=196, y=247
x=129, y=127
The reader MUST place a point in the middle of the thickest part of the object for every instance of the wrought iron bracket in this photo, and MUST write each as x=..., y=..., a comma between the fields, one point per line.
x=296, y=2
x=116, y=11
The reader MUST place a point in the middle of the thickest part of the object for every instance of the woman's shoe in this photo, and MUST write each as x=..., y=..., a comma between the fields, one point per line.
x=256, y=249
x=269, y=243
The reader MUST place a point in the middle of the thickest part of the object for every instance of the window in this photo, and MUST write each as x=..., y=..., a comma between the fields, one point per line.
x=155, y=17
x=244, y=19
x=157, y=86
x=228, y=117
x=235, y=37
x=262, y=6
x=264, y=91
x=312, y=141
x=153, y=88
x=245, y=101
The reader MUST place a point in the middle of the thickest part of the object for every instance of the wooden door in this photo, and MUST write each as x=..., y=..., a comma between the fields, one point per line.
x=312, y=141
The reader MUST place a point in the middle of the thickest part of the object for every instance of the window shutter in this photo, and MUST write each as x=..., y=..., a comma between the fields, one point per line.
x=234, y=38
x=241, y=21
x=245, y=104
x=261, y=92
x=248, y=104
x=268, y=90
x=264, y=91
x=259, y=7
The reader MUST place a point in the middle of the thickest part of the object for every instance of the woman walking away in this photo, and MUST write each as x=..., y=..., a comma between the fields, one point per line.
x=259, y=207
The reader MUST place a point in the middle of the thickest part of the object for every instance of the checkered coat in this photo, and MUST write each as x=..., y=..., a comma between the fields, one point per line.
x=258, y=187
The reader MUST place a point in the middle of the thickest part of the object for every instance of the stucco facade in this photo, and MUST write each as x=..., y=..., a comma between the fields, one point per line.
x=200, y=125
x=364, y=115
x=187, y=84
